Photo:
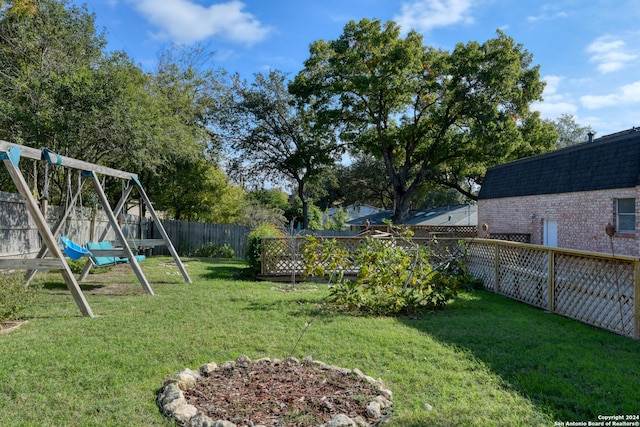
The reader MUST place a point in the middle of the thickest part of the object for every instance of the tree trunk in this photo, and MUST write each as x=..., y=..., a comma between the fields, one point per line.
x=305, y=205
x=401, y=208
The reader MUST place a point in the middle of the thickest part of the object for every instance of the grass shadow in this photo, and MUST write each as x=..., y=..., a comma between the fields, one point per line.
x=223, y=272
x=568, y=369
x=51, y=285
x=226, y=269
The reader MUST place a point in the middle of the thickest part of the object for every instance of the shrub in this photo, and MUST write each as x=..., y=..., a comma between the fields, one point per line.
x=254, y=246
x=395, y=276
x=212, y=250
x=14, y=296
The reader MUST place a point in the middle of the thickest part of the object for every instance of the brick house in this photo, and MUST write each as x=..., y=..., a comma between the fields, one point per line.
x=566, y=198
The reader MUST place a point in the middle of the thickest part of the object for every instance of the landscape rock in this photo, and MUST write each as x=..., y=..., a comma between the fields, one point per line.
x=183, y=412
x=187, y=378
x=207, y=368
x=340, y=420
x=384, y=403
x=373, y=410
x=243, y=361
x=169, y=393
x=201, y=420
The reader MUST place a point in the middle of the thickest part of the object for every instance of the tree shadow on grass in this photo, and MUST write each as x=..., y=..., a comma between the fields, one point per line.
x=302, y=307
x=115, y=289
x=225, y=272
x=225, y=269
x=568, y=369
x=55, y=286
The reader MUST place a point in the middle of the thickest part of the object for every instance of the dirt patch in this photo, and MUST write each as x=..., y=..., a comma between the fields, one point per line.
x=117, y=289
x=11, y=325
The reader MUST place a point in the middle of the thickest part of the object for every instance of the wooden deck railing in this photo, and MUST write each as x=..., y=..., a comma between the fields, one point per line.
x=594, y=288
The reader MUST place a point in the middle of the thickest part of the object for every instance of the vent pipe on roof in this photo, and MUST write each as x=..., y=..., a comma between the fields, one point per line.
x=590, y=136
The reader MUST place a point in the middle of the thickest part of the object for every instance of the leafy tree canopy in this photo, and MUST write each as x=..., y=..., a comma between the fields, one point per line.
x=569, y=131
x=430, y=115
x=271, y=138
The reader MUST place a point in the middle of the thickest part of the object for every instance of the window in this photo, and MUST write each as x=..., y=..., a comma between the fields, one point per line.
x=626, y=215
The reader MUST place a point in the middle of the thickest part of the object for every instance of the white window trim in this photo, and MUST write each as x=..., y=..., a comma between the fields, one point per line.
x=625, y=214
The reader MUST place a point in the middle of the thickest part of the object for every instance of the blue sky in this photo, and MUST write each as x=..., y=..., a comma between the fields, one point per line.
x=588, y=50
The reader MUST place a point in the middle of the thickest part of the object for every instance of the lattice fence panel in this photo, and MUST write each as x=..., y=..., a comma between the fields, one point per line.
x=523, y=274
x=283, y=255
x=441, y=230
x=481, y=263
x=278, y=257
x=350, y=245
x=597, y=291
x=512, y=237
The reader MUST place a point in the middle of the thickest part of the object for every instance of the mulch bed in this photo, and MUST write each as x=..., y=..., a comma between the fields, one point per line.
x=295, y=395
x=266, y=392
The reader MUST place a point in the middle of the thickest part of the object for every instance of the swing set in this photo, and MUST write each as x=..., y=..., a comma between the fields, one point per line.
x=97, y=253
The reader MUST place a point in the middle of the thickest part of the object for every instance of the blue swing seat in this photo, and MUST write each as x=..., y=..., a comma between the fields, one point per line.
x=101, y=261
x=73, y=250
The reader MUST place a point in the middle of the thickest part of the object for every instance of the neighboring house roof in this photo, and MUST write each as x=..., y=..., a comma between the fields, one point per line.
x=354, y=211
x=375, y=219
x=449, y=215
x=445, y=215
x=609, y=162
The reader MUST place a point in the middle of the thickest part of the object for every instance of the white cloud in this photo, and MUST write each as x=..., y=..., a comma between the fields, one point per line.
x=609, y=54
x=424, y=15
x=548, y=13
x=552, y=83
x=547, y=17
x=552, y=110
x=183, y=21
x=555, y=103
x=625, y=95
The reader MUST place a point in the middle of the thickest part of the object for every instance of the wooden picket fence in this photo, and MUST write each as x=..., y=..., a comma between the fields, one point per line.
x=593, y=288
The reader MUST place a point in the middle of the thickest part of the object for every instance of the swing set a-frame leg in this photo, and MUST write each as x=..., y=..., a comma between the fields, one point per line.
x=113, y=222
x=103, y=235
x=46, y=234
x=56, y=229
x=163, y=233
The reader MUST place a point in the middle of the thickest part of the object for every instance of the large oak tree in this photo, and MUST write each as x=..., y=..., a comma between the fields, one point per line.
x=272, y=138
x=430, y=115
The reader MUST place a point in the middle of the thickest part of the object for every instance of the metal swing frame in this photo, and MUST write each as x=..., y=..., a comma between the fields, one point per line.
x=10, y=155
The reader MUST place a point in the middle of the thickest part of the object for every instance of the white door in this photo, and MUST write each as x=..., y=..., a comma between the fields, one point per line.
x=550, y=235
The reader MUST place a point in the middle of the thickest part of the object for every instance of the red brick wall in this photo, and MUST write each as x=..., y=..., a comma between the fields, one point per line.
x=582, y=218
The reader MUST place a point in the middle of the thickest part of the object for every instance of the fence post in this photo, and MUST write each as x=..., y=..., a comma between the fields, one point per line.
x=636, y=299
x=497, y=267
x=551, y=294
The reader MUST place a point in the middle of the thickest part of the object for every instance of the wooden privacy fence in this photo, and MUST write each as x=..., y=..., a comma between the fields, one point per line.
x=19, y=234
x=597, y=289
x=189, y=237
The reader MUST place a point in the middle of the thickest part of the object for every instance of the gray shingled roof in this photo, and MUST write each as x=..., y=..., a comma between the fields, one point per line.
x=443, y=215
x=609, y=162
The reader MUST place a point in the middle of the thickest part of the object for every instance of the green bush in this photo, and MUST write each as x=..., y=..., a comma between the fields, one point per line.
x=395, y=276
x=212, y=250
x=254, y=246
x=14, y=296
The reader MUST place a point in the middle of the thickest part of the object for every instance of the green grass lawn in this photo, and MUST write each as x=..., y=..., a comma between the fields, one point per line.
x=483, y=361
